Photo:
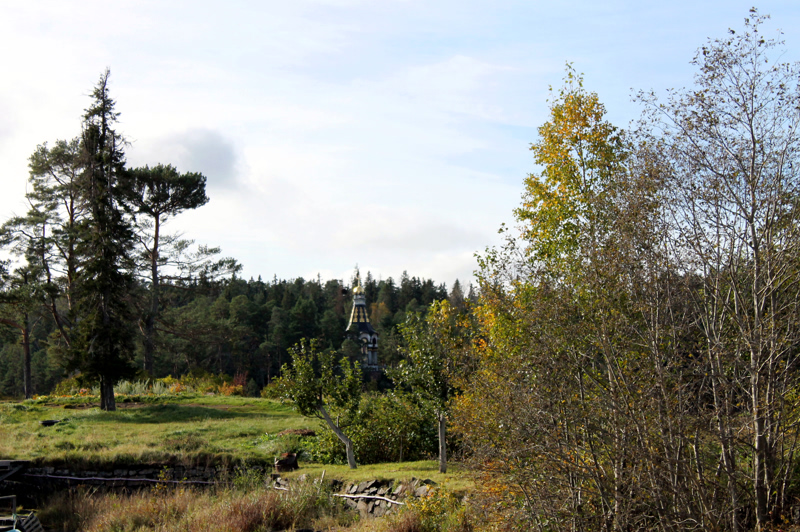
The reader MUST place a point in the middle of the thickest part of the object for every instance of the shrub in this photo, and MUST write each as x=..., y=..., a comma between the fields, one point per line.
x=272, y=390
x=72, y=386
x=229, y=389
x=251, y=390
x=438, y=511
x=386, y=428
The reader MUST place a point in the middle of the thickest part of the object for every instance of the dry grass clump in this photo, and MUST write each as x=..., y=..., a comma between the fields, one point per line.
x=171, y=510
x=244, y=508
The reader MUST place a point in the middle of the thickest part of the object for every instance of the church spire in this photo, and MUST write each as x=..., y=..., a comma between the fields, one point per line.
x=359, y=325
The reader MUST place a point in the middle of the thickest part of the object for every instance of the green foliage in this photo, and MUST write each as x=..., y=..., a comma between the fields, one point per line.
x=70, y=386
x=103, y=344
x=385, y=428
x=273, y=390
x=319, y=378
x=321, y=383
x=435, y=348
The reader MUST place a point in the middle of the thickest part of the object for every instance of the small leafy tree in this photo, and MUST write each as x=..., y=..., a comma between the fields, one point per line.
x=316, y=381
x=433, y=367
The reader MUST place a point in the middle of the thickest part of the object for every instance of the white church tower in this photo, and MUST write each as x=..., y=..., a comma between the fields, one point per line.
x=359, y=325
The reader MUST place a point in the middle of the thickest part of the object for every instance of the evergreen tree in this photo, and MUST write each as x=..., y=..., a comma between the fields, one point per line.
x=103, y=348
x=159, y=193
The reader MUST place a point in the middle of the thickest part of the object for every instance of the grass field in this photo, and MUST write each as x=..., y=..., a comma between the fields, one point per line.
x=169, y=429
x=183, y=429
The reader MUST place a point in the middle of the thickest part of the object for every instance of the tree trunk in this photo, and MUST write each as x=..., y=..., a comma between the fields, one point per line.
x=107, y=401
x=348, y=444
x=26, y=351
x=150, y=317
x=24, y=329
x=441, y=417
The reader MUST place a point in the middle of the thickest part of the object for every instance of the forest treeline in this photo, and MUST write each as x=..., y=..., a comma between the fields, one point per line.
x=235, y=326
x=630, y=358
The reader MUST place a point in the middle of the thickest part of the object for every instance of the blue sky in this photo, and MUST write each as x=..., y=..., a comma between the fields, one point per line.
x=392, y=134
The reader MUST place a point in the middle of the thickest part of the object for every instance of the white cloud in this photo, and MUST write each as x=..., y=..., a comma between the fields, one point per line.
x=195, y=150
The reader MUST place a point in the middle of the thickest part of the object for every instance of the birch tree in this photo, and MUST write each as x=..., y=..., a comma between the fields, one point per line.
x=733, y=195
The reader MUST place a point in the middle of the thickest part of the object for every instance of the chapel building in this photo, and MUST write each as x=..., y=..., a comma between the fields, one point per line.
x=362, y=329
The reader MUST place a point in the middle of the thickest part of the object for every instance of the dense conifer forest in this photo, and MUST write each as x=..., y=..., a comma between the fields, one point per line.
x=233, y=326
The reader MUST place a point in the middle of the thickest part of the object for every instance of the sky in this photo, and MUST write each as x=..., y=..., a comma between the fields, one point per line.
x=389, y=134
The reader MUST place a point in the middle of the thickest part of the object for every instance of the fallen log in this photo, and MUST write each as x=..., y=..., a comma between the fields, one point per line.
x=369, y=497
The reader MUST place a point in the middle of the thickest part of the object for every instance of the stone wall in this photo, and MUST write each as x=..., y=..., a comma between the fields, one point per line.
x=369, y=497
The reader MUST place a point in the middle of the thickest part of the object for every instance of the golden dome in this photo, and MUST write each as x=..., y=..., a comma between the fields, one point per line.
x=358, y=290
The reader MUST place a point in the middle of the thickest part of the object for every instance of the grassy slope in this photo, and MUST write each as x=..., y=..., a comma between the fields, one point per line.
x=186, y=429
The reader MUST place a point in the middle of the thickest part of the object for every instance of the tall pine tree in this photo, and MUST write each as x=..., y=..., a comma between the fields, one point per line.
x=104, y=345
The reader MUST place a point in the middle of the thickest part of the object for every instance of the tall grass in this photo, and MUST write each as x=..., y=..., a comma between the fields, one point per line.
x=247, y=506
x=166, y=509
x=145, y=387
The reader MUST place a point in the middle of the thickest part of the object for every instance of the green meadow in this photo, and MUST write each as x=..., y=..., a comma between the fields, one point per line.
x=169, y=430
x=154, y=430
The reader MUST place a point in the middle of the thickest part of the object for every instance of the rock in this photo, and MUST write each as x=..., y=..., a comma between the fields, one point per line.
x=287, y=462
x=421, y=491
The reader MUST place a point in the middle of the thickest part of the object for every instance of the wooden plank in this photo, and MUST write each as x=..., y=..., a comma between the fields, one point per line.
x=30, y=523
x=5, y=474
